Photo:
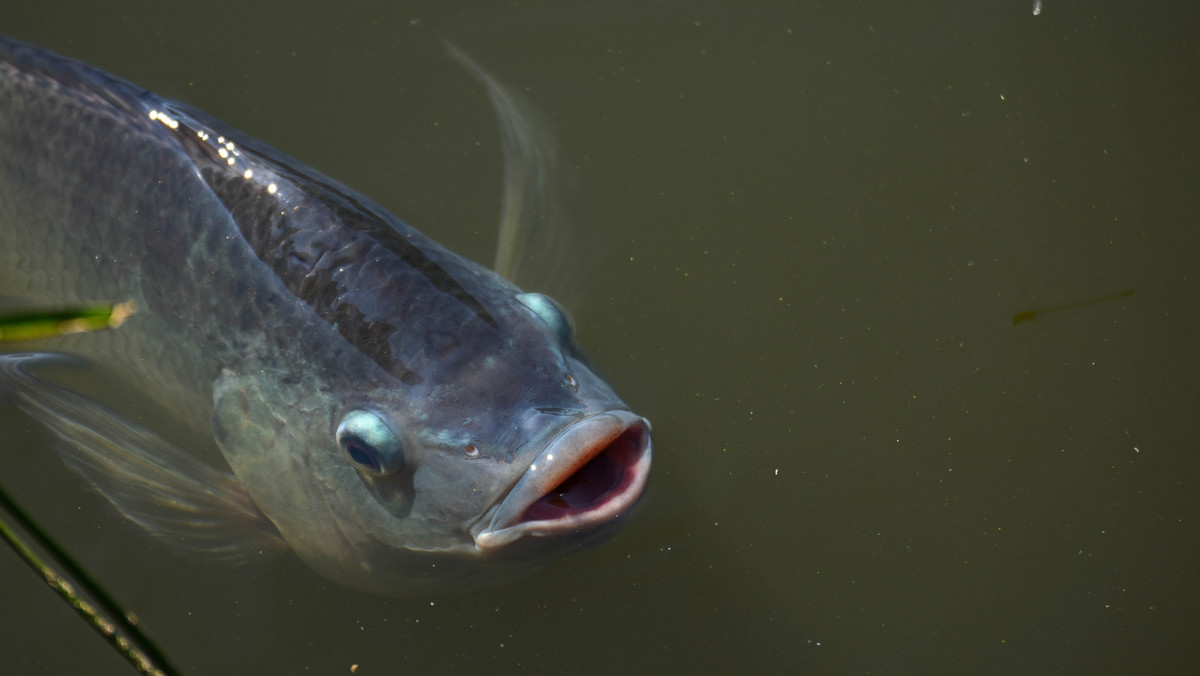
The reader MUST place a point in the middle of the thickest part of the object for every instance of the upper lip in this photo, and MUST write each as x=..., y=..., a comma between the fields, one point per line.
x=619, y=439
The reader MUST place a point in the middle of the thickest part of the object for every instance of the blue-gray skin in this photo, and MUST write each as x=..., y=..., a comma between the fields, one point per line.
x=407, y=421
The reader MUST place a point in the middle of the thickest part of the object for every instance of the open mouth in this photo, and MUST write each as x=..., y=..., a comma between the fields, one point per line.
x=591, y=473
x=605, y=477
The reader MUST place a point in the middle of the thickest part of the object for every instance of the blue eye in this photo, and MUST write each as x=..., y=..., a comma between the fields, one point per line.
x=550, y=312
x=370, y=443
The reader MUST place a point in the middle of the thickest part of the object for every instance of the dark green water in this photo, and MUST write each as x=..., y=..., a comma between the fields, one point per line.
x=816, y=221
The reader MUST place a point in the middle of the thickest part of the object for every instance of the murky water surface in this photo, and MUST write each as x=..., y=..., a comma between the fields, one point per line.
x=811, y=227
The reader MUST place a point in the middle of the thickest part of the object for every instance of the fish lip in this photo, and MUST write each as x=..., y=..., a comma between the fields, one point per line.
x=623, y=435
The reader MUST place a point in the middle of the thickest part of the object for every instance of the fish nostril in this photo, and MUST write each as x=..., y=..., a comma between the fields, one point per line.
x=538, y=420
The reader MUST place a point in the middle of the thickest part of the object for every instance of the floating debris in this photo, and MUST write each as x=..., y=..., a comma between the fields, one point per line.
x=1030, y=315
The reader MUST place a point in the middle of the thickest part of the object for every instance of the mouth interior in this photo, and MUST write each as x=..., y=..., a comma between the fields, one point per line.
x=607, y=475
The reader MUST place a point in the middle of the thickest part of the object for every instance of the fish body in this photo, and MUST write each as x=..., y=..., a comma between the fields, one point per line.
x=404, y=419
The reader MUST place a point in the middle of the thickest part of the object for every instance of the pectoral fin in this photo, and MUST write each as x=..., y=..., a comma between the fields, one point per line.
x=155, y=484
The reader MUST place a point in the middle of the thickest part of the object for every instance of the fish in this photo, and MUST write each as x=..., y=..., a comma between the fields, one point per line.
x=407, y=421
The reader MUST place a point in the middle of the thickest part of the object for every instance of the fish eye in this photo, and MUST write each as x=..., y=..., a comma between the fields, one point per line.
x=369, y=442
x=549, y=311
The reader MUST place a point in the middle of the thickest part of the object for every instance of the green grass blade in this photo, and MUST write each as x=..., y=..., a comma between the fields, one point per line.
x=78, y=589
x=35, y=325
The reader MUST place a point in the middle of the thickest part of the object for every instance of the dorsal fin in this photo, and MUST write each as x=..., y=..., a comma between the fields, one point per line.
x=532, y=249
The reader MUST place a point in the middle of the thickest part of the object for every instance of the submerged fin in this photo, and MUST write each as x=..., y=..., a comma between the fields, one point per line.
x=531, y=251
x=157, y=485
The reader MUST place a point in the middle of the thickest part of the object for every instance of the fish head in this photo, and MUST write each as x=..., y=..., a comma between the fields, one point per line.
x=507, y=453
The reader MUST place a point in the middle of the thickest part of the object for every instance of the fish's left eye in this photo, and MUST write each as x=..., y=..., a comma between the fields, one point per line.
x=370, y=443
x=549, y=311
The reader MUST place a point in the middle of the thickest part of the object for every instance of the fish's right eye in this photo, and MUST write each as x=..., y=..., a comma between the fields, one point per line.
x=370, y=443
